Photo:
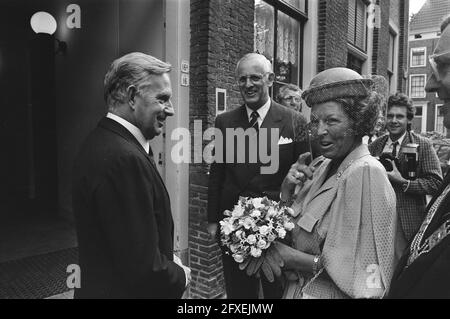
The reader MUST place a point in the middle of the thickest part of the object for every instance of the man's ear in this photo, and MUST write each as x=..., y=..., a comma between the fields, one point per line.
x=271, y=79
x=131, y=94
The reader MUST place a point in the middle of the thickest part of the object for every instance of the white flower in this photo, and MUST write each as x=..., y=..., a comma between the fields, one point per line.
x=271, y=212
x=289, y=226
x=255, y=213
x=238, y=258
x=226, y=227
x=264, y=230
x=238, y=211
x=271, y=237
x=257, y=203
x=239, y=234
x=234, y=248
x=256, y=252
x=281, y=232
x=251, y=239
x=248, y=223
x=262, y=244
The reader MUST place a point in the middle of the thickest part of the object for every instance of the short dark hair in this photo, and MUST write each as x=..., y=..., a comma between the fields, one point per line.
x=402, y=100
x=363, y=113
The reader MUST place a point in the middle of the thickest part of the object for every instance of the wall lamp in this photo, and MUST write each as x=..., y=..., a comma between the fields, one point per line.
x=43, y=22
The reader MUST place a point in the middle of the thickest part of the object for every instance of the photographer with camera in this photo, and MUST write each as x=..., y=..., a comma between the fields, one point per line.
x=410, y=161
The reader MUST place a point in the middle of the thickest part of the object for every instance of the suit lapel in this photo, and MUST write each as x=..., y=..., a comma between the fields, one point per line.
x=119, y=129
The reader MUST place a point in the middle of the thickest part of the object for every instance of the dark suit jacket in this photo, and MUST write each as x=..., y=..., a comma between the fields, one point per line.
x=229, y=180
x=429, y=275
x=123, y=218
x=412, y=203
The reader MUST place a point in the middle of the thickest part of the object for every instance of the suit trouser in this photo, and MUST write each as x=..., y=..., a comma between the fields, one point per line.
x=241, y=286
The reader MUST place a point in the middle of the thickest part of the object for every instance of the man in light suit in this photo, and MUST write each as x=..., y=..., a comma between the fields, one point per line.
x=229, y=179
x=411, y=194
x=423, y=271
x=122, y=208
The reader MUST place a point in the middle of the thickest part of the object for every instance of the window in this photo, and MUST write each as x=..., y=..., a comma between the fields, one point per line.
x=357, y=30
x=439, y=123
x=355, y=63
x=419, y=123
x=278, y=36
x=392, y=56
x=418, y=57
x=417, y=86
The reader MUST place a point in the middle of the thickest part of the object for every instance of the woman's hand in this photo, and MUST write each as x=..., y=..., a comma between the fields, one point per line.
x=297, y=175
x=286, y=253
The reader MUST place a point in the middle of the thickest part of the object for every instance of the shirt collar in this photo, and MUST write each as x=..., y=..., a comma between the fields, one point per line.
x=262, y=111
x=133, y=130
x=400, y=140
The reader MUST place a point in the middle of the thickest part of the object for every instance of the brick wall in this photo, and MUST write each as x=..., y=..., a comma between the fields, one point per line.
x=332, y=42
x=403, y=47
x=221, y=33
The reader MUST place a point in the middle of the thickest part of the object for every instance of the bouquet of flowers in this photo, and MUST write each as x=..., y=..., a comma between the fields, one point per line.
x=253, y=225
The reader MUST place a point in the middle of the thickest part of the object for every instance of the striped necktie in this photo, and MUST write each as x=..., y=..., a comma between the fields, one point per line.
x=394, y=149
x=254, y=121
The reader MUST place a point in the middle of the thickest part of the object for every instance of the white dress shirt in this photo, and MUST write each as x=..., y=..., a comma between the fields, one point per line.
x=133, y=130
x=389, y=147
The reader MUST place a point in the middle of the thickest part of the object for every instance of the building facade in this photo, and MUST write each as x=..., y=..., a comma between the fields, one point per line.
x=424, y=35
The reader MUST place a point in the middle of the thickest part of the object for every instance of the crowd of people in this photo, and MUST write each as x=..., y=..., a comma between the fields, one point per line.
x=362, y=226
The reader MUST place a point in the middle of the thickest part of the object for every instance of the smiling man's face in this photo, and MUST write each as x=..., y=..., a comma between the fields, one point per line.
x=254, y=79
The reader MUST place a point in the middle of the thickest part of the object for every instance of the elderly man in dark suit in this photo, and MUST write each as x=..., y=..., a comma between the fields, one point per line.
x=231, y=178
x=122, y=208
x=423, y=271
x=411, y=193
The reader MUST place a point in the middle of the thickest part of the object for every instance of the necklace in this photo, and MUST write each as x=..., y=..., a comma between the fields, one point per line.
x=416, y=248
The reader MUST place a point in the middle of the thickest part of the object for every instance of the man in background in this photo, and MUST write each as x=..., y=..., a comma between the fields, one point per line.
x=229, y=180
x=423, y=270
x=411, y=193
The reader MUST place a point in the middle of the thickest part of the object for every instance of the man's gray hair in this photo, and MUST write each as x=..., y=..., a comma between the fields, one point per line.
x=264, y=61
x=131, y=69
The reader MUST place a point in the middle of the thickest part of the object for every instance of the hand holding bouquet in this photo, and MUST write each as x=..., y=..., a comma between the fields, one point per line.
x=251, y=228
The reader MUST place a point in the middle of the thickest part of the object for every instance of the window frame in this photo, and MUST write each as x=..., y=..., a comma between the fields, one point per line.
x=302, y=18
x=424, y=49
x=366, y=29
x=410, y=86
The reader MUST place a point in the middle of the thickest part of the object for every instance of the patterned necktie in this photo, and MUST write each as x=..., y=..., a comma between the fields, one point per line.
x=394, y=149
x=254, y=121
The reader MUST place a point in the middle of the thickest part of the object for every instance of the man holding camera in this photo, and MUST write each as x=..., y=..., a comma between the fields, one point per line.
x=411, y=162
x=423, y=271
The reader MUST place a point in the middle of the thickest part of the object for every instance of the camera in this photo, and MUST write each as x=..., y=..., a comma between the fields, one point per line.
x=386, y=160
x=411, y=153
x=407, y=167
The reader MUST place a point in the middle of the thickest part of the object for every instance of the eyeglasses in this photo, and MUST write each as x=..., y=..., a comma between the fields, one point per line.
x=254, y=78
x=434, y=65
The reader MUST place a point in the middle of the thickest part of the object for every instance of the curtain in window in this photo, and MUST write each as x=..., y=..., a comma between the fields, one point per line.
x=264, y=29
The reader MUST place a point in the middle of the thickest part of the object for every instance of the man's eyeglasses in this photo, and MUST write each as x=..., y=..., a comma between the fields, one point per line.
x=254, y=78
x=434, y=65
